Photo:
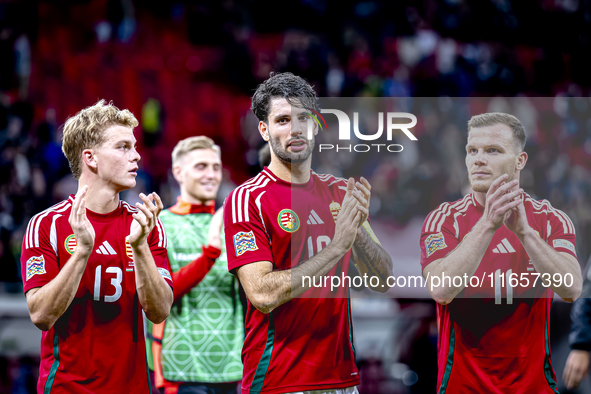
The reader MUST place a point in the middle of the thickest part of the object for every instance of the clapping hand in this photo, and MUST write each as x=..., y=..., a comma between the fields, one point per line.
x=145, y=219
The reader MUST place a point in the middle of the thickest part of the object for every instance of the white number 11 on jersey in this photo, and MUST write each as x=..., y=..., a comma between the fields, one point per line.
x=500, y=283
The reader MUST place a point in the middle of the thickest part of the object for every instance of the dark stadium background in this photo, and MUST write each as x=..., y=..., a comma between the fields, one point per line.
x=187, y=67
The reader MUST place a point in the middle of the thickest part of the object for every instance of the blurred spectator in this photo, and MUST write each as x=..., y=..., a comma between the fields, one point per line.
x=579, y=358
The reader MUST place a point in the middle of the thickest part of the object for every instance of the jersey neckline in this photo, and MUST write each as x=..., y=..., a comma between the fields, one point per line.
x=184, y=208
x=299, y=186
x=481, y=208
x=101, y=217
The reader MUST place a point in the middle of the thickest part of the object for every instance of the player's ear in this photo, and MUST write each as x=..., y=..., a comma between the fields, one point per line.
x=89, y=158
x=521, y=160
x=178, y=174
x=264, y=130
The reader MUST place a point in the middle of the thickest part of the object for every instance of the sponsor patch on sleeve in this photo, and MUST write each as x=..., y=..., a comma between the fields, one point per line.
x=35, y=266
x=563, y=243
x=244, y=242
x=434, y=242
x=165, y=274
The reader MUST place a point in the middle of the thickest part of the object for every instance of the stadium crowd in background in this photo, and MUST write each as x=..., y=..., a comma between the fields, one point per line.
x=168, y=68
x=186, y=68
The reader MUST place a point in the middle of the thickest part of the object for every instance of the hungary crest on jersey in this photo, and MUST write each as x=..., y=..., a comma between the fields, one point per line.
x=288, y=220
x=335, y=208
x=70, y=243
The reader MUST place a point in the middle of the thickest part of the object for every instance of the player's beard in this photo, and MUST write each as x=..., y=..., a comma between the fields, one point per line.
x=482, y=187
x=291, y=157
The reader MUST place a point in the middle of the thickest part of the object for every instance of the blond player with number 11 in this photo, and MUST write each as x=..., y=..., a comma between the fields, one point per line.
x=495, y=339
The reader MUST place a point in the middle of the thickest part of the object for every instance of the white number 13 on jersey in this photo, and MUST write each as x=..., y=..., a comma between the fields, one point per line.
x=115, y=282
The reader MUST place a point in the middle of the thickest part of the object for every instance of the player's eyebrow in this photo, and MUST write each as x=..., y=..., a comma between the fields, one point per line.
x=495, y=146
x=206, y=163
x=277, y=117
x=291, y=113
x=126, y=141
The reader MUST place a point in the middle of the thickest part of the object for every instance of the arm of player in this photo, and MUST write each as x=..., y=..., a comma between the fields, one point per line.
x=368, y=254
x=155, y=295
x=193, y=273
x=546, y=260
x=466, y=257
x=370, y=257
x=48, y=303
x=267, y=289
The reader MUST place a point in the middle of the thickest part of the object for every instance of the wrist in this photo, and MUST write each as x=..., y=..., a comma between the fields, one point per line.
x=140, y=248
x=83, y=252
x=337, y=247
x=529, y=232
x=486, y=226
x=211, y=251
x=214, y=243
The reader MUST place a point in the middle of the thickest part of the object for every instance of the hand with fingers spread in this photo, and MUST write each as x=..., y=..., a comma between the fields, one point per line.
x=83, y=230
x=348, y=219
x=362, y=193
x=144, y=221
x=500, y=200
x=215, y=229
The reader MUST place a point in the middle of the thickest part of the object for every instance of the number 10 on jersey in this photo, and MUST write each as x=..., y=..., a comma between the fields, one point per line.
x=321, y=242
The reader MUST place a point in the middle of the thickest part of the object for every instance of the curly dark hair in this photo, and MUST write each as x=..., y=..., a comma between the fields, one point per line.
x=296, y=90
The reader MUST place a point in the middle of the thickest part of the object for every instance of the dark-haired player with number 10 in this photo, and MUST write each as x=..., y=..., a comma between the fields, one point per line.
x=92, y=263
x=495, y=338
x=288, y=223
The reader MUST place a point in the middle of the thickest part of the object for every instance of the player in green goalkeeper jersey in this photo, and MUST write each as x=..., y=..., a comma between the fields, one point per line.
x=197, y=349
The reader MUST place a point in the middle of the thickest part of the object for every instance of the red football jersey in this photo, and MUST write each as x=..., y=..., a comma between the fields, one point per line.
x=97, y=345
x=496, y=338
x=306, y=343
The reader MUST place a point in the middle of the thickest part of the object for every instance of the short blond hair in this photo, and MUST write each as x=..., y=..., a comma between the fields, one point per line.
x=193, y=143
x=85, y=130
x=495, y=118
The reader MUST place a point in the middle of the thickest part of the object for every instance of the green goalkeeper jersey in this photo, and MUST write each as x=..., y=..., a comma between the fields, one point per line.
x=204, y=333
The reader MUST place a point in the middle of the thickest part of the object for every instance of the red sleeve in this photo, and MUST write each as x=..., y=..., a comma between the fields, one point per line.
x=561, y=232
x=246, y=238
x=158, y=243
x=439, y=235
x=39, y=260
x=191, y=274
